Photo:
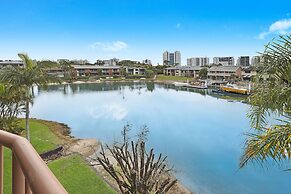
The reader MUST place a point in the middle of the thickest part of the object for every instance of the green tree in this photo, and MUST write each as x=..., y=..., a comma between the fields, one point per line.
x=11, y=105
x=149, y=73
x=67, y=70
x=203, y=73
x=24, y=78
x=271, y=97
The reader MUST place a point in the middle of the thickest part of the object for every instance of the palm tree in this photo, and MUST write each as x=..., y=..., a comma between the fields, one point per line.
x=25, y=78
x=271, y=97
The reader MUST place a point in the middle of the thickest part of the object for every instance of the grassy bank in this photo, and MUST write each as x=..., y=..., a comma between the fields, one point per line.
x=77, y=177
x=72, y=171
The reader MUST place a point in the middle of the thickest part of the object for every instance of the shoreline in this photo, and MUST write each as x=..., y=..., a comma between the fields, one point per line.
x=89, y=149
x=119, y=80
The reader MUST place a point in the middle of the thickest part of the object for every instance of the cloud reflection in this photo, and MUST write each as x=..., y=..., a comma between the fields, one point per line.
x=109, y=111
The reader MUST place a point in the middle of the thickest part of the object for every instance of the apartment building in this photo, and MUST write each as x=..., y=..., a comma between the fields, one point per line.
x=256, y=60
x=185, y=71
x=243, y=61
x=147, y=62
x=224, y=61
x=198, y=61
x=172, y=58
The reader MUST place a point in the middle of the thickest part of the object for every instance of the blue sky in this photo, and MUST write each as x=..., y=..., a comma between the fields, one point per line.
x=139, y=29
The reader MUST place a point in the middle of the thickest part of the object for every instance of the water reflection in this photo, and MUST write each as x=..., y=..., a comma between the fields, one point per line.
x=71, y=89
x=200, y=131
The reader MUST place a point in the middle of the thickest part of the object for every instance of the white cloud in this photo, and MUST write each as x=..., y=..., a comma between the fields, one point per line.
x=109, y=46
x=279, y=27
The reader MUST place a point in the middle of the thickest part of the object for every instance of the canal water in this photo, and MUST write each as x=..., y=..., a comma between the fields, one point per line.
x=201, y=132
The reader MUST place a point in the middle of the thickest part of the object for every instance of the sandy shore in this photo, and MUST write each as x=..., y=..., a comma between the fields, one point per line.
x=90, y=149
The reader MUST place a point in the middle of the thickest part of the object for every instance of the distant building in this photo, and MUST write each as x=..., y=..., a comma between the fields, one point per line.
x=224, y=72
x=110, y=62
x=224, y=61
x=13, y=63
x=135, y=70
x=186, y=71
x=85, y=70
x=147, y=62
x=256, y=60
x=80, y=62
x=198, y=61
x=172, y=58
x=243, y=61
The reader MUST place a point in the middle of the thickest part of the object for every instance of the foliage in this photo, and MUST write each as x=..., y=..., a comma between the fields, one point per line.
x=159, y=69
x=203, y=73
x=11, y=105
x=73, y=172
x=149, y=73
x=137, y=171
x=24, y=78
x=128, y=63
x=48, y=64
x=271, y=97
x=68, y=71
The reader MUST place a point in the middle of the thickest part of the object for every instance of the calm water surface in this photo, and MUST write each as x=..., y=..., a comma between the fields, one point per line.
x=200, y=132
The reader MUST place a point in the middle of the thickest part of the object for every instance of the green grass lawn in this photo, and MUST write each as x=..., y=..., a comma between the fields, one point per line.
x=172, y=78
x=75, y=175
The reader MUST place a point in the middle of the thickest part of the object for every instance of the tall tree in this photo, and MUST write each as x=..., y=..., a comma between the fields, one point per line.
x=271, y=96
x=25, y=78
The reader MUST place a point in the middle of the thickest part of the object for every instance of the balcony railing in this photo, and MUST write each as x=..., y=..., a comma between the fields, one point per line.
x=29, y=172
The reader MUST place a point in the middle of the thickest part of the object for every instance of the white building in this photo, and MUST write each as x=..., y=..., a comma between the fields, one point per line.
x=147, y=62
x=110, y=62
x=224, y=61
x=80, y=62
x=172, y=58
x=198, y=61
x=13, y=63
x=256, y=60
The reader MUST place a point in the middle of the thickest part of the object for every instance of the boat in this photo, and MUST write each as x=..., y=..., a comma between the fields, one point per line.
x=196, y=86
x=217, y=91
x=181, y=84
x=234, y=89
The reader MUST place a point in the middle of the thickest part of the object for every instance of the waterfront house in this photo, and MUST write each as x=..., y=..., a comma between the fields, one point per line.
x=135, y=70
x=186, y=71
x=55, y=71
x=248, y=73
x=224, y=72
x=13, y=63
x=86, y=70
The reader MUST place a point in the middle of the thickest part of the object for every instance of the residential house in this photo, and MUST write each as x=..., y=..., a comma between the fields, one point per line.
x=13, y=63
x=135, y=70
x=224, y=72
x=186, y=71
x=84, y=70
